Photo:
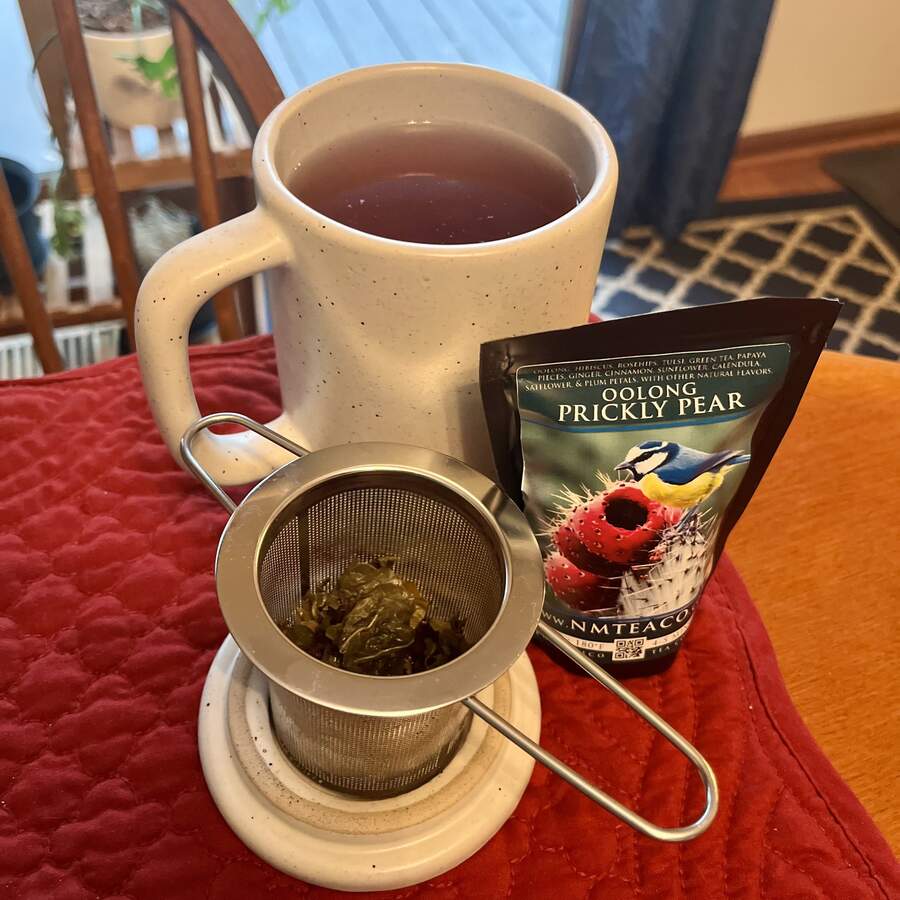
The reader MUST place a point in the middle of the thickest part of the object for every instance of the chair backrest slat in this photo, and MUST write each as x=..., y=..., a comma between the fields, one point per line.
x=202, y=162
x=25, y=283
x=106, y=194
x=236, y=56
x=40, y=25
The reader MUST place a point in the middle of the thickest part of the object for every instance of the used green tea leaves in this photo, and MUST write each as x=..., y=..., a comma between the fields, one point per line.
x=374, y=622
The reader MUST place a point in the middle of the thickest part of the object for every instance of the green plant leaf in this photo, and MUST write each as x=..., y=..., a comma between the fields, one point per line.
x=68, y=223
x=162, y=71
x=271, y=8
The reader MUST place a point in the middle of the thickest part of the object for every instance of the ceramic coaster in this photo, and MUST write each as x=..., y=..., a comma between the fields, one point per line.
x=342, y=842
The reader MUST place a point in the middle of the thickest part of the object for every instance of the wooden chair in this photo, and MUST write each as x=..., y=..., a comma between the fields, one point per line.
x=208, y=25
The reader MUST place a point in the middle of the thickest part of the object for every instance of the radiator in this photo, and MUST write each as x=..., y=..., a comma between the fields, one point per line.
x=80, y=345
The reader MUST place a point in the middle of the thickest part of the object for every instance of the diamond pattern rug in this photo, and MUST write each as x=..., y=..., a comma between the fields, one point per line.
x=823, y=246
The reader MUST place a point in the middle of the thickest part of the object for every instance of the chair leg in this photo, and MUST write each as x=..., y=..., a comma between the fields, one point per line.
x=238, y=198
x=202, y=158
x=106, y=193
x=24, y=281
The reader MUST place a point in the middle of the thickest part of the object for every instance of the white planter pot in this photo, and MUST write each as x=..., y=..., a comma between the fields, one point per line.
x=125, y=97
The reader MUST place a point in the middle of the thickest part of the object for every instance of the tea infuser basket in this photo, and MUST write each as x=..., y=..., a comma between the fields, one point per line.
x=471, y=552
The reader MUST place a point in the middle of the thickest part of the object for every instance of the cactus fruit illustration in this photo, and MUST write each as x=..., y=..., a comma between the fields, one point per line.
x=618, y=525
x=617, y=551
x=581, y=590
x=570, y=545
x=678, y=569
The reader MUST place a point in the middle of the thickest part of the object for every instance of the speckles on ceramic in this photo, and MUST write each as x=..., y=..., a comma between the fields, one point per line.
x=400, y=347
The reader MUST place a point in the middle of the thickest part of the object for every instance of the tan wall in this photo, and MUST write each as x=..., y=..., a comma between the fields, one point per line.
x=826, y=60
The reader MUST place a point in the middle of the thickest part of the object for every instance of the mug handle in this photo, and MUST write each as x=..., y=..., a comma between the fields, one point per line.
x=180, y=282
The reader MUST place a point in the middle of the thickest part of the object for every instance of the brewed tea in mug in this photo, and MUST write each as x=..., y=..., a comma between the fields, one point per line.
x=406, y=214
x=436, y=183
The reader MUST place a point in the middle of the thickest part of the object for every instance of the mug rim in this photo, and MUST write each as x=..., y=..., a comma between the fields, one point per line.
x=274, y=193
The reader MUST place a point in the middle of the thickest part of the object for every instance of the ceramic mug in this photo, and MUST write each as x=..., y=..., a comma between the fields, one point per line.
x=378, y=339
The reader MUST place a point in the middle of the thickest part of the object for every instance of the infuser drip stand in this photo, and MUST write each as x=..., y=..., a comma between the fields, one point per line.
x=345, y=843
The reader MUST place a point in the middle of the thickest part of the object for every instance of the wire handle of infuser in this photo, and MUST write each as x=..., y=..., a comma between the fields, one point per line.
x=194, y=465
x=707, y=776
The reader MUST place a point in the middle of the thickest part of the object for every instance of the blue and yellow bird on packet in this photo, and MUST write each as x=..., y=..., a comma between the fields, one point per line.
x=633, y=447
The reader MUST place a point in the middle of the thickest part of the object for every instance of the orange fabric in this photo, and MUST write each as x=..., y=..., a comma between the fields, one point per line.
x=819, y=549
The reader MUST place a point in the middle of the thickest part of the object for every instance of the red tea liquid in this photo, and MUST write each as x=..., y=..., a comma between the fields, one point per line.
x=436, y=184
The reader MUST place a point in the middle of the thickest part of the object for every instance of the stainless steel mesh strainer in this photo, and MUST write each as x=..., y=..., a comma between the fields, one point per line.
x=472, y=553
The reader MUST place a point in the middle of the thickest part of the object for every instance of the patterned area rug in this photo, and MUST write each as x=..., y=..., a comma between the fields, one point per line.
x=824, y=246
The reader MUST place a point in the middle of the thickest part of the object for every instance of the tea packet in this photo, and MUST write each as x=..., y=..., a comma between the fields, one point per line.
x=633, y=446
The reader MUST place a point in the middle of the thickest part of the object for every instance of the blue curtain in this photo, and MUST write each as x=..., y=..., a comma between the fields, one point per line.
x=669, y=80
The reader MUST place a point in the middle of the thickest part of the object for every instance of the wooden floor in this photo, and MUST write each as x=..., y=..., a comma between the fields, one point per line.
x=789, y=163
x=318, y=38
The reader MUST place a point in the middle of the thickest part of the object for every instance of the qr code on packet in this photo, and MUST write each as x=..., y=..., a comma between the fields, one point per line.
x=632, y=648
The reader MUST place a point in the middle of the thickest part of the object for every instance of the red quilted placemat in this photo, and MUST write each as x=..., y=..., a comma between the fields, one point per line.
x=108, y=622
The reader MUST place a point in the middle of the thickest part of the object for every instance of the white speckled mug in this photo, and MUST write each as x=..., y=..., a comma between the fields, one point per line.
x=378, y=339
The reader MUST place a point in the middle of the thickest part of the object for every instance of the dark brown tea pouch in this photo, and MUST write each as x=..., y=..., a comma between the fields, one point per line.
x=633, y=447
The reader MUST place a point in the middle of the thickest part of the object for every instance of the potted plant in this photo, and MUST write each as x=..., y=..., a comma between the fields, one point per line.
x=68, y=223
x=132, y=59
